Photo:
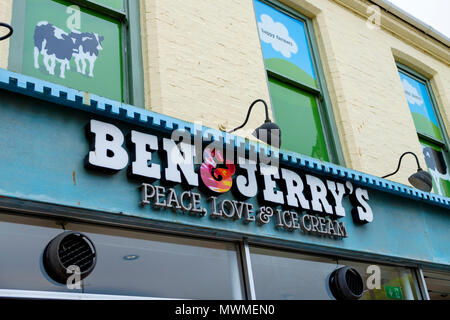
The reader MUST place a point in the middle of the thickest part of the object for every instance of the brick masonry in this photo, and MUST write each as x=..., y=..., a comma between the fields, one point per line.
x=5, y=16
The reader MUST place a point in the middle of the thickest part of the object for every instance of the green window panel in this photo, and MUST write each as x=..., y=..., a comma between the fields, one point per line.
x=437, y=167
x=297, y=114
x=92, y=46
x=82, y=53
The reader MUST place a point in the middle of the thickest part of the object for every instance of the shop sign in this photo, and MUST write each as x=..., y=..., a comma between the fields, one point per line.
x=290, y=200
x=394, y=293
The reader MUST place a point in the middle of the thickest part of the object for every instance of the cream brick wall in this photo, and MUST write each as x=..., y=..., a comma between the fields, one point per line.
x=5, y=16
x=203, y=61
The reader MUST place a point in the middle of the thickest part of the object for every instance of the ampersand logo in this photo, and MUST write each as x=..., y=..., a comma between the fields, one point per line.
x=216, y=173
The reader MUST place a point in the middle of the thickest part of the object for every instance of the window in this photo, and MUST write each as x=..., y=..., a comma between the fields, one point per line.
x=160, y=265
x=438, y=285
x=91, y=46
x=283, y=275
x=429, y=128
x=299, y=100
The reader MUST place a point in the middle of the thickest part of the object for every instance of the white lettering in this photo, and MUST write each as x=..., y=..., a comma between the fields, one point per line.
x=108, y=152
x=318, y=195
x=294, y=188
x=269, y=192
x=140, y=166
x=176, y=162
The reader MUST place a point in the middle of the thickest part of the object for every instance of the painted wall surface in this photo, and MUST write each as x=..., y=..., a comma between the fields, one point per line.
x=43, y=153
x=203, y=63
x=5, y=16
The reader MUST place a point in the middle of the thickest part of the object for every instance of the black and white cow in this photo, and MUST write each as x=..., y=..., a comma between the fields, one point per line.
x=436, y=167
x=56, y=45
x=87, y=45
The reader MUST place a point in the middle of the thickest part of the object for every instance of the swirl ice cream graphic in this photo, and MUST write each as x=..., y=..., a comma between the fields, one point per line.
x=56, y=45
x=217, y=175
x=277, y=35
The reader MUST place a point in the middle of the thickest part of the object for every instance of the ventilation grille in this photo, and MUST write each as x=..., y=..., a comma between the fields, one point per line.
x=346, y=284
x=354, y=282
x=75, y=250
x=69, y=249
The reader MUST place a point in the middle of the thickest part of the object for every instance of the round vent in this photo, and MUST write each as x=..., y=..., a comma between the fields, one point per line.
x=67, y=250
x=346, y=284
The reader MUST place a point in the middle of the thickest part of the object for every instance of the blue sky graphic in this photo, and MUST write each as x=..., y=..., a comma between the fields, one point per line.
x=426, y=109
x=297, y=31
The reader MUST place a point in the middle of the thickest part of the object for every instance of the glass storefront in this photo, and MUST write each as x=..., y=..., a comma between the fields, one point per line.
x=128, y=262
x=147, y=264
x=282, y=275
x=287, y=275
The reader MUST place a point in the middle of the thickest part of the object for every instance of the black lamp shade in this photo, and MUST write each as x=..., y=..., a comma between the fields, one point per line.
x=270, y=133
x=422, y=180
x=10, y=31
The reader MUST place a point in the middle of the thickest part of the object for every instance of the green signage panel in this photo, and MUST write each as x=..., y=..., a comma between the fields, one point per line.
x=73, y=46
x=394, y=293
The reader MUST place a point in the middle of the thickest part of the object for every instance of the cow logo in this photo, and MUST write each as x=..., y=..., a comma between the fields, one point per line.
x=56, y=45
x=436, y=167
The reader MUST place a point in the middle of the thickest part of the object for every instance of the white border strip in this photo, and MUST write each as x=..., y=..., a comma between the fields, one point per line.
x=28, y=294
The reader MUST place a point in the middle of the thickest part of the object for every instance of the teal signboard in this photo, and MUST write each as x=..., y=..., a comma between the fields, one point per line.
x=105, y=160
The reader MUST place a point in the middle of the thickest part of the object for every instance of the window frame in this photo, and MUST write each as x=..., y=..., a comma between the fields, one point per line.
x=426, y=82
x=242, y=246
x=323, y=101
x=132, y=73
x=444, y=144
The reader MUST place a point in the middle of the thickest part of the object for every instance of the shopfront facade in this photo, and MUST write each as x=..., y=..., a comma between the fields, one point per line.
x=124, y=144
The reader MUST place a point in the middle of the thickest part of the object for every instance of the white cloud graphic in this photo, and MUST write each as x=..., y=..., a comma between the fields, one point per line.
x=276, y=34
x=412, y=95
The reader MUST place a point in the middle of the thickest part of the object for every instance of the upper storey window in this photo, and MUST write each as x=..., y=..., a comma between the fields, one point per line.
x=429, y=128
x=78, y=44
x=299, y=100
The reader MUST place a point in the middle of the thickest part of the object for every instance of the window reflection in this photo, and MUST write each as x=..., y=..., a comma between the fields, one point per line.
x=286, y=275
x=282, y=275
x=396, y=283
x=133, y=263
x=128, y=262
